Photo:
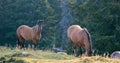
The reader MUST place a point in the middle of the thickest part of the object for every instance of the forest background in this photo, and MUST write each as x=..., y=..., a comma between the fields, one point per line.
x=100, y=17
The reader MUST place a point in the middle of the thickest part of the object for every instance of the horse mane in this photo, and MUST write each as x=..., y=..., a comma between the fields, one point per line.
x=89, y=37
x=36, y=28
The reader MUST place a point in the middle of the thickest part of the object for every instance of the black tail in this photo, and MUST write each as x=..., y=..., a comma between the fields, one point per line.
x=90, y=40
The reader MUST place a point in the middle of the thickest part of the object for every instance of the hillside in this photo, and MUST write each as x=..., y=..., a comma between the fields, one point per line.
x=16, y=56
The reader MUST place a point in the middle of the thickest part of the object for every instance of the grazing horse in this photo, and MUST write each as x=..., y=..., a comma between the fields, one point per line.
x=25, y=33
x=80, y=37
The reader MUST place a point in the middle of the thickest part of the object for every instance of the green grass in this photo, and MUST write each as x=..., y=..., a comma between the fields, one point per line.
x=6, y=51
x=50, y=55
x=15, y=56
x=6, y=54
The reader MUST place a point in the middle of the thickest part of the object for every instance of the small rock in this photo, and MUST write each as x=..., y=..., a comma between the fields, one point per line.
x=62, y=53
x=116, y=54
x=25, y=53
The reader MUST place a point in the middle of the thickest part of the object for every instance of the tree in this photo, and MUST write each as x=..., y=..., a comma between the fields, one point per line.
x=14, y=13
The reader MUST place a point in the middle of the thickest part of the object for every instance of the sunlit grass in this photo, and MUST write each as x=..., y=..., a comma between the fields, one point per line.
x=93, y=59
x=97, y=59
x=6, y=51
x=39, y=56
x=50, y=55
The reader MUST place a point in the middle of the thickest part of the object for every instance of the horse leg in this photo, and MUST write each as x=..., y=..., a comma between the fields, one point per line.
x=74, y=48
x=75, y=51
x=18, y=44
x=35, y=45
x=22, y=44
x=35, y=42
x=88, y=50
x=21, y=41
x=79, y=51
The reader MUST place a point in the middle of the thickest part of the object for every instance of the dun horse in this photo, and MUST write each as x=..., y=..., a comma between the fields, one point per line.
x=80, y=37
x=25, y=33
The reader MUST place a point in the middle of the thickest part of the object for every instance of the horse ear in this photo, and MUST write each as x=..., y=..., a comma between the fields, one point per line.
x=39, y=21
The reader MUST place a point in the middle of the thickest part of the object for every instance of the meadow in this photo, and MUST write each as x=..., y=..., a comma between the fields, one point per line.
x=8, y=55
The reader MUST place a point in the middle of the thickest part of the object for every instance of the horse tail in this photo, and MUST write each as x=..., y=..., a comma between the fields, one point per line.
x=89, y=38
x=18, y=40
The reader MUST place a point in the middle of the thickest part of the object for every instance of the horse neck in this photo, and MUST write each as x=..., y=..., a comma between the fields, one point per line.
x=36, y=29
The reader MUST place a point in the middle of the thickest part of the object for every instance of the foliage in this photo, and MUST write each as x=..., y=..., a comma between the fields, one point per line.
x=14, y=13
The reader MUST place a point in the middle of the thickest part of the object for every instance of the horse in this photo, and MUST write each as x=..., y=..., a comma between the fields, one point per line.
x=80, y=37
x=25, y=33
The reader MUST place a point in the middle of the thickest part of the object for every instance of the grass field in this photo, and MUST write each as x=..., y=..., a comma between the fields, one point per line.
x=15, y=56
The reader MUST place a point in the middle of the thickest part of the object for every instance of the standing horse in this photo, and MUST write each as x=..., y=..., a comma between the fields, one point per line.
x=25, y=33
x=80, y=37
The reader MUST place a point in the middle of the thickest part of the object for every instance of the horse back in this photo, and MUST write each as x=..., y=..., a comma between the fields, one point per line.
x=72, y=29
x=76, y=34
x=25, y=32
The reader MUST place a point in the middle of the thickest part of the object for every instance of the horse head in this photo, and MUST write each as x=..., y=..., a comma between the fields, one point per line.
x=40, y=23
